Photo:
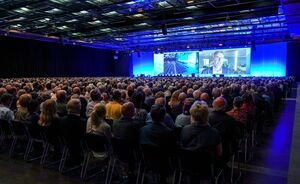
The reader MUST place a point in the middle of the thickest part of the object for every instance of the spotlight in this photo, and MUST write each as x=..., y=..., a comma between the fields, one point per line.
x=164, y=29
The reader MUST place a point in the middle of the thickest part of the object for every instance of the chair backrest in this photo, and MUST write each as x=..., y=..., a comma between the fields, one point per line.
x=154, y=157
x=5, y=127
x=195, y=162
x=96, y=143
x=18, y=128
x=33, y=130
x=123, y=149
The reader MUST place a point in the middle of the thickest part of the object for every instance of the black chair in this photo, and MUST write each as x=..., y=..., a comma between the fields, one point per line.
x=5, y=131
x=197, y=166
x=126, y=152
x=157, y=161
x=19, y=133
x=94, y=144
x=34, y=135
x=48, y=141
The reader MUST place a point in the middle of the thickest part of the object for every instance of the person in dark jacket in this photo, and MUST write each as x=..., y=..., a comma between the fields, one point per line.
x=228, y=128
x=72, y=128
x=126, y=127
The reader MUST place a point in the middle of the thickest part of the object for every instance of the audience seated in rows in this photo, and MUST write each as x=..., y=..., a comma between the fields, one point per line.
x=166, y=112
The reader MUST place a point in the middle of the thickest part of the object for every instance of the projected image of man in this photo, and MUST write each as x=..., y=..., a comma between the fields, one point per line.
x=217, y=65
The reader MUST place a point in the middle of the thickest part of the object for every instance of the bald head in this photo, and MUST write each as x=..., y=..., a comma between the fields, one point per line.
x=197, y=95
x=219, y=104
x=204, y=97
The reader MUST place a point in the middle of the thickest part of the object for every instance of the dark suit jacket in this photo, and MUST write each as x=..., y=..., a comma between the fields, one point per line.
x=178, y=109
x=126, y=128
x=228, y=128
x=73, y=129
x=157, y=134
x=209, y=70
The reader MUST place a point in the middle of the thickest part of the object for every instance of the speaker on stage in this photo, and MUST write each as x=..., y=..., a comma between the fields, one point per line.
x=221, y=75
x=193, y=74
x=142, y=75
x=214, y=75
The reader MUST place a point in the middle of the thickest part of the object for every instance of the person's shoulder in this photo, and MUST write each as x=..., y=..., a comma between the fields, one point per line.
x=213, y=130
x=187, y=127
x=146, y=127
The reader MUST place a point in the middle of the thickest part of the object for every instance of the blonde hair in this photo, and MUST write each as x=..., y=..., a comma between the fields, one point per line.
x=48, y=112
x=98, y=114
x=199, y=114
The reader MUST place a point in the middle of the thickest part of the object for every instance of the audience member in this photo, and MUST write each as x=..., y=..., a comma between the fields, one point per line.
x=184, y=118
x=5, y=112
x=22, y=111
x=72, y=128
x=199, y=135
x=113, y=108
x=126, y=127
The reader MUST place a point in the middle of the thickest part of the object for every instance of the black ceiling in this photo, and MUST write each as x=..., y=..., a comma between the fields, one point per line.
x=139, y=24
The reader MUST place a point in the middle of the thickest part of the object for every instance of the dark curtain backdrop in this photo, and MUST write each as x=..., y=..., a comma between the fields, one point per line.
x=293, y=60
x=28, y=58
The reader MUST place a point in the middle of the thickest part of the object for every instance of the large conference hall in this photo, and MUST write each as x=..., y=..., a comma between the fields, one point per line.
x=149, y=91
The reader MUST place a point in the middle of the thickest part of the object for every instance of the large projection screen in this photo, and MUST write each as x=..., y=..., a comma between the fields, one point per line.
x=208, y=62
x=225, y=61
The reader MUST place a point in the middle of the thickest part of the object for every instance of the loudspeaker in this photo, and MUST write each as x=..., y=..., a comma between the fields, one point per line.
x=164, y=29
x=253, y=46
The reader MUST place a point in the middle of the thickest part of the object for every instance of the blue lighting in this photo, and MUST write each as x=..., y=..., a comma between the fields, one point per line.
x=266, y=60
x=269, y=60
x=143, y=63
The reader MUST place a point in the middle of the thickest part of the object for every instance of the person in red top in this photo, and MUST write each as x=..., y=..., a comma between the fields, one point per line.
x=249, y=108
x=236, y=112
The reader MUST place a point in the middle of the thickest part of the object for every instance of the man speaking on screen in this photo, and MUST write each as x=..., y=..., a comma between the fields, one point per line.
x=217, y=67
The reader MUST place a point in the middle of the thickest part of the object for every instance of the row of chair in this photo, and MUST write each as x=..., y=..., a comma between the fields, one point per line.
x=141, y=160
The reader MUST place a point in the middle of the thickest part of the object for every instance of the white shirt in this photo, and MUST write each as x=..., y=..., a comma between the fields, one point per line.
x=217, y=71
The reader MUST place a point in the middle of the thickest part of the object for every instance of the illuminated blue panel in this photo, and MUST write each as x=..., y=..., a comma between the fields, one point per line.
x=266, y=60
x=269, y=60
x=143, y=63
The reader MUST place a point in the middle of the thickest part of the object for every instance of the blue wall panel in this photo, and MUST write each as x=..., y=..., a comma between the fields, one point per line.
x=269, y=60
